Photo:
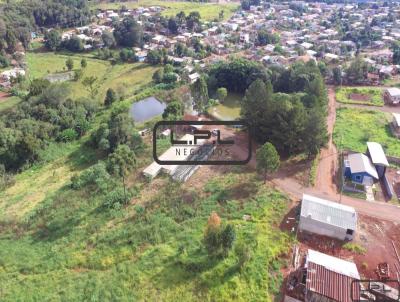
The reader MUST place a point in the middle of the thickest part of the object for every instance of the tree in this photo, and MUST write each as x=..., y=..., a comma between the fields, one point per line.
x=337, y=75
x=108, y=39
x=52, y=39
x=396, y=53
x=128, y=33
x=37, y=86
x=78, y=74
x=357, y=71
x=69, y=63
x=200, y=94
x=83, y=63
x=212, y=234
x=315, y=133
x=228, y=236
x=193, y=20
x=154, y=57
x=73, y=44
x=172, y=25
x=111, y=97
x=173, y=111
x=264, y=37
x=158, y=76
x=120, y=162
x=221, y=14
x=267, y=159
x=89, y=83
x=222, y=93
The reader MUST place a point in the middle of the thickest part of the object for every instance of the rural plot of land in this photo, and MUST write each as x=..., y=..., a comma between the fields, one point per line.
x=121, y=77
x=360, y=96
x=355, y=127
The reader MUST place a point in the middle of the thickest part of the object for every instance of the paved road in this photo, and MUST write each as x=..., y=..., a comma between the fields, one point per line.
x=325, y=186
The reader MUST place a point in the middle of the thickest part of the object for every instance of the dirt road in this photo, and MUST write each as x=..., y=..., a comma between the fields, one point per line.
x=325, y=186
x=326, y=172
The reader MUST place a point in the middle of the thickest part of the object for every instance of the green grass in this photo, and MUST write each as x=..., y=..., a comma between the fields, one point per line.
x=71, y=248
x=355, y=127
x=229, y=109
x=374, y=95
x=8, y=103
x=124, y=78
x=208, y=11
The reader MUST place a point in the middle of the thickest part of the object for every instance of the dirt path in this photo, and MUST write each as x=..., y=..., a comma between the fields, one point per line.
x=325, y=186
x=326, y=172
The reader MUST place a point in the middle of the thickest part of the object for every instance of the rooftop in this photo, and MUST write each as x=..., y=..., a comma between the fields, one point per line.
x=377, y=154
x=360, y=163
x=393, y=91
x=329, y=212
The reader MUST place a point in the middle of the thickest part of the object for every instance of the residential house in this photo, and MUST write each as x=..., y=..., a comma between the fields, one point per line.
x=391, y=96
x=359, y=168
x=323, y=217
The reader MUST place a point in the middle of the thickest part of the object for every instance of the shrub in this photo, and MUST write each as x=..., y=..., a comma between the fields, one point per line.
x=96, y=175
x=355, y=248
x=68, y=135
x=117, y=198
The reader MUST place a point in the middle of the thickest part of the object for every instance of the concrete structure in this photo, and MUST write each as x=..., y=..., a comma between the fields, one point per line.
x=330, y=279
x=378, y=158
x=327, y=218
x=392, y=96
x=359, y=168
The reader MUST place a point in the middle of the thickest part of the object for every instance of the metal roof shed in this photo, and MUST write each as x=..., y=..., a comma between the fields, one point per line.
x=327, y=218
x=330, y=278
x=378, y=158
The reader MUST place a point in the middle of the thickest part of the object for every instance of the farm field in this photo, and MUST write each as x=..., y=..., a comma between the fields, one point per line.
x=354, y=127
x=208, y=11
x=124, y=78
x=8, y=102
x=360, y=95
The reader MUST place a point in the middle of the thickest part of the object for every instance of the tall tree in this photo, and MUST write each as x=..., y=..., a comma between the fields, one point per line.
x=267, y=159
x=111, y=97
x=200, y=94
x=128, y=33
x=69, y=63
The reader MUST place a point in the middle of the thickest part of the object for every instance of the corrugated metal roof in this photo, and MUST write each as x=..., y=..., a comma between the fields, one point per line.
x=393, y=91
x=377, y=154
x=329, y=212
x=360, y=163
x=331, y=284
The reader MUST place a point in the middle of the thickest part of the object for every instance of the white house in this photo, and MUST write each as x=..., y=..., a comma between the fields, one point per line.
x=327, y=218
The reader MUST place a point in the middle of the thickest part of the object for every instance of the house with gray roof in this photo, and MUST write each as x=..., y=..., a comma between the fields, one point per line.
x=324, y=217
x=359, y=168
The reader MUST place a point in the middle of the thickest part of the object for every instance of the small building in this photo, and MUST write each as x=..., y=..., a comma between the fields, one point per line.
x=396, y=124
x=391, y=96
x=323, y=217
x=359, y=168
x=378, y=158
x=330, y=279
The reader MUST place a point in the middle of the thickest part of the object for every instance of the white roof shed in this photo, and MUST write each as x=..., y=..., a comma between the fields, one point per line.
x=377, y=154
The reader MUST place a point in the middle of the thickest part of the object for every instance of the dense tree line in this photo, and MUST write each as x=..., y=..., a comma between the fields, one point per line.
x=290, y=113
x=19, y=19
x=46, y=115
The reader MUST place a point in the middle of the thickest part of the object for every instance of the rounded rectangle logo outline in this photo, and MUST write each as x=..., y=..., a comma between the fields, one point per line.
x=205, y=162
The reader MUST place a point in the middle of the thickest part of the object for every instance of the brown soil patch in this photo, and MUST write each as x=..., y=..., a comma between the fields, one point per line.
x=359, y=97
x=374, y=235
x=4, y=96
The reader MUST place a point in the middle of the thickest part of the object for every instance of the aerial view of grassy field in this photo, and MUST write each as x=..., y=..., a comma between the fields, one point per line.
x=360, y=95
x=122, y=77
x=208, y=11
x=354, y=127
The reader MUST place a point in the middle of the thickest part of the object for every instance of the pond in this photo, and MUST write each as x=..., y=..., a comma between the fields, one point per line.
x=146, y=109
x=229, y=109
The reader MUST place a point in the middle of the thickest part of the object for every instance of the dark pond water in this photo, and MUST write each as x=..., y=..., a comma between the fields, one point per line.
x=146, y=109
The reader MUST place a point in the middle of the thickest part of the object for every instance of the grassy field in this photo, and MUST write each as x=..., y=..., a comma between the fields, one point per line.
x=121, y=77
x=360, y=95
x=8, y=103
x=354, y=127
x=229, y=109
x=208, y=11
x=66, y=246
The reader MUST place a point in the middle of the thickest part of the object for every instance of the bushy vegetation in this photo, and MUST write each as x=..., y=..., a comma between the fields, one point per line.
x=75, y=246
x=355, y=127
x=360, y=95
x=355, y=248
